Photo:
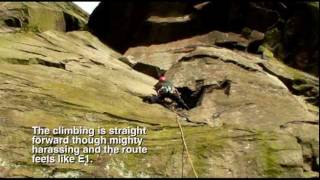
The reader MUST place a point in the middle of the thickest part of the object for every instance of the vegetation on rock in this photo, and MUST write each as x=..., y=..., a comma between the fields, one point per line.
x=54, y=74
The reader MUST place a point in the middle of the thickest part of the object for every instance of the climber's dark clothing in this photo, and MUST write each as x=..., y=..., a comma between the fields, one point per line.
x=165, y=89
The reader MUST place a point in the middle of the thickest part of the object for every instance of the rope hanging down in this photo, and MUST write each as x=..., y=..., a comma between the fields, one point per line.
x=186, y=148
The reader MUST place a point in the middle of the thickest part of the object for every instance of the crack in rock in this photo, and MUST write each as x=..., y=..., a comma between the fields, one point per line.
x=40, y=61
x=196, y=56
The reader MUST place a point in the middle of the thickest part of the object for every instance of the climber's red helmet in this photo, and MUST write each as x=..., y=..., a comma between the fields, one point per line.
x=162, y=78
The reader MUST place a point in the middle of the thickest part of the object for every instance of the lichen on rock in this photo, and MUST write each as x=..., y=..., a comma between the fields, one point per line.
x=250, y=116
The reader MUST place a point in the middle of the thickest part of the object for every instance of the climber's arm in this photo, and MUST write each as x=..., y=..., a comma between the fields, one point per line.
x=176, y=91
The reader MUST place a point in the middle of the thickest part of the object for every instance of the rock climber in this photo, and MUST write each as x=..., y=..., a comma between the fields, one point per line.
x=165, y=89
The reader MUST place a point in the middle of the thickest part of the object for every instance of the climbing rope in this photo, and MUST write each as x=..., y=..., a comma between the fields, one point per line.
x=182, y=163
x=186, y=148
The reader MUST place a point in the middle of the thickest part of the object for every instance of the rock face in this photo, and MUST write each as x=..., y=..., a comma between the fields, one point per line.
x=250, y=117
x=261, y=98
x=55, y=78
x=125, y=24
x=166, y=55
x=41, y=16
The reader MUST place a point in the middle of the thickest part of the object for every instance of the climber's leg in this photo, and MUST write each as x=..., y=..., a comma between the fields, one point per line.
x=156, y=99
x=179, y=100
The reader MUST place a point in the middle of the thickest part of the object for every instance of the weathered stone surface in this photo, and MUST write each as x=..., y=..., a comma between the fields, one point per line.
x=164, y=55
x=259, y=101
x=258, y=128
x=51, y=79
x=287, y=30
x=298, y=82
x=41, y=16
